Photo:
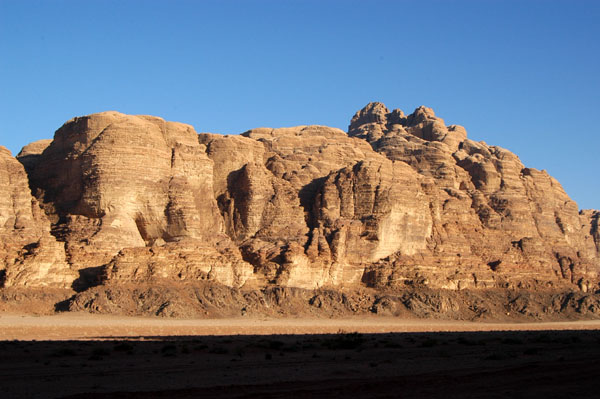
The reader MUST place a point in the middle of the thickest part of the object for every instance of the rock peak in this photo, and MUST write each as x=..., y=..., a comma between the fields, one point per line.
x=375, y=107
x=374, y=112
x=423, y=110
x=420, y=115
x=375, y=122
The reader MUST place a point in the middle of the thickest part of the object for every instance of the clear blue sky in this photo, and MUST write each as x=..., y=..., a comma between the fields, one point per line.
x=523, y=75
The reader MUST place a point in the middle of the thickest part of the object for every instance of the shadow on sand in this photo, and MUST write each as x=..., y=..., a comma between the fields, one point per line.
x=350, y=365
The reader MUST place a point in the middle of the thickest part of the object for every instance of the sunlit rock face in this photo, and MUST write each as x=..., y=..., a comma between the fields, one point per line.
x=495, y=222
x=29, y=255
x=111, y=181
x=398, y=201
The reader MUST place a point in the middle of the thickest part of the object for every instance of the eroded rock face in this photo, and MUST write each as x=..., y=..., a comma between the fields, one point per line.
x=29, y=155
x=181, y=262
x=265, y=184
x=400, y=201
x=367, y=212
x=590, y=221
x=488, y=209
x=111, y=181
x=29, y=255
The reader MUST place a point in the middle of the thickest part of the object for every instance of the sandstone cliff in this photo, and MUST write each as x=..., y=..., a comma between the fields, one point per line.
x=119, y=188
x=488, y=209
x=399, y=202
x=29, y=255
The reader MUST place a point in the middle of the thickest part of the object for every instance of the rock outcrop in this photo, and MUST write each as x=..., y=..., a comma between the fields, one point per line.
x=399, y=202
x=489, y=209
x=29, y=255
x=111, y=183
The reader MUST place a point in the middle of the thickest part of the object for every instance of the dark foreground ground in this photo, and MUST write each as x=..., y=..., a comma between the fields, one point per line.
x=525, y=364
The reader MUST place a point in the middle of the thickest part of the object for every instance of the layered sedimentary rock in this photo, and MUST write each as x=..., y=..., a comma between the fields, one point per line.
x=111, y=183
x=399, y=202
x=489, y=209
x=266, y=182
x=29, y=255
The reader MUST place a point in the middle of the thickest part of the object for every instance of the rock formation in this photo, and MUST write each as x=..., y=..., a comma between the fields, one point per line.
x=488, y=209
x=399, y=202
x=118, y=188
x=29, y=255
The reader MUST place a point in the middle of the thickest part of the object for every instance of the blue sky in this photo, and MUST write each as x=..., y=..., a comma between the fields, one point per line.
x=519, y=74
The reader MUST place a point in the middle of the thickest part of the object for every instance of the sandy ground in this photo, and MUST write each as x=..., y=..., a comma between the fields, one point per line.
x=69, y=326
x=87, y=356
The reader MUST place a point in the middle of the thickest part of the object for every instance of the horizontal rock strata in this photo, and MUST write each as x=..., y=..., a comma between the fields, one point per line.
x=400, y=202
x=29, y=255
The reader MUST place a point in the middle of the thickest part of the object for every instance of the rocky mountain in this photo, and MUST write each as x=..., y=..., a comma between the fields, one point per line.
x=400, y=203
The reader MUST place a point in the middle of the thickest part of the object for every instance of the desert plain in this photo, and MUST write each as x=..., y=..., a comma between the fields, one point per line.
x=99, y=356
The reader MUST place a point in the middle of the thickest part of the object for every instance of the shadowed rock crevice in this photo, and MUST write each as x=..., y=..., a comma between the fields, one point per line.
x=307, y=196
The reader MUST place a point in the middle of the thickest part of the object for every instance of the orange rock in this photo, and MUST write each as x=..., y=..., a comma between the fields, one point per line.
x=400, y=201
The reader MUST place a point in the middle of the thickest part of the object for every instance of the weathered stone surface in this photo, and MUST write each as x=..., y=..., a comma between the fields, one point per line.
x=590, y=221
x=400, y=202
x=30, y=154
x=488, y=209
x=266, y=181
x=29, y=255
x=111, y=181
x=368, y=212
x=179, y=261
x=200, y=300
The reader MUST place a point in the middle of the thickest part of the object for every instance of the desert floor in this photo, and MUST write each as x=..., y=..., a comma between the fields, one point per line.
x=86, y=356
